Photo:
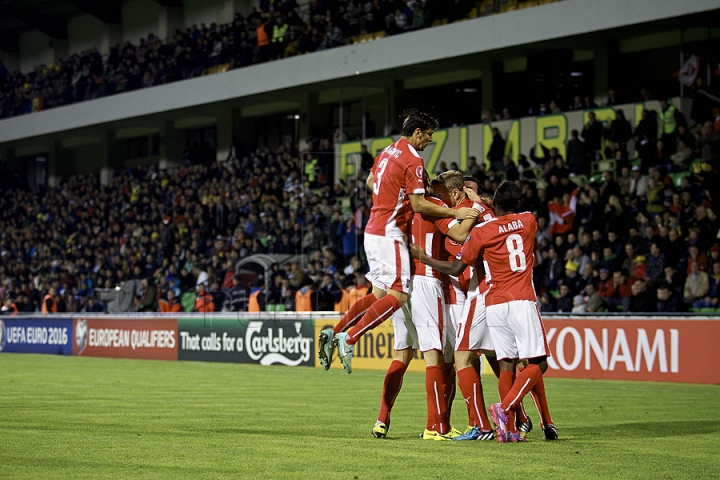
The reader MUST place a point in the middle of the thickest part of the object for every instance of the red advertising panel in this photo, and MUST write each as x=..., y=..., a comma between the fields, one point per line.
x=658, y=349
x=151, y=338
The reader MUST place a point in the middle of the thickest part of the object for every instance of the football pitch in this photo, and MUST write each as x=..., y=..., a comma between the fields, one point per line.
x=77, y=417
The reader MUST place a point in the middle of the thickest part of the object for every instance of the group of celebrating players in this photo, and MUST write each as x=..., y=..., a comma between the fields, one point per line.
x=470, y=283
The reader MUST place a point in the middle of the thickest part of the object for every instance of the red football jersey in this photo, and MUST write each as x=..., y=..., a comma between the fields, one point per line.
x=451, y=250
x=428, y=233
x=399, y=171
x=507, y=247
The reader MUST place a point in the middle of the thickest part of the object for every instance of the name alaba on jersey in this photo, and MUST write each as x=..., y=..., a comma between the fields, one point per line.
x=506, y=245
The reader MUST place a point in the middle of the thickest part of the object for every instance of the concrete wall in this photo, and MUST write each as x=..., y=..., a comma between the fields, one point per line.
x=202, y=11
x=85, y=32
x=139, y=18
x=35, y=49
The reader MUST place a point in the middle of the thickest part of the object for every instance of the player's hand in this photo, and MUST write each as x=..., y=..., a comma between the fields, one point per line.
x=416, y=251
x=474, y=197
x=488, y=201
x=466, y=213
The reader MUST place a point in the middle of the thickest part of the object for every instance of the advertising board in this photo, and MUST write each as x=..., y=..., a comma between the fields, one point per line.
x=266, y=342
x=148, y=338
x=36, y=335
x=374, y=350
x=636, y=348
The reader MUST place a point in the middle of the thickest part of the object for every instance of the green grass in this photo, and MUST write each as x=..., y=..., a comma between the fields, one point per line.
x=77, y=417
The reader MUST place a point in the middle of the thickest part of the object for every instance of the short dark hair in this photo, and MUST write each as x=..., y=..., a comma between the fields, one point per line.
x=470, y=178
x=413, y=119
x=507, y=196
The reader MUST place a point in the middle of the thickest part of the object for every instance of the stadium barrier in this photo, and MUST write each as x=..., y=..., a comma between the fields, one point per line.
x=617, y=347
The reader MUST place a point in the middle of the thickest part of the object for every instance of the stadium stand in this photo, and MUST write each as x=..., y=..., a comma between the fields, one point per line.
x=618, y=224
x=270, y=32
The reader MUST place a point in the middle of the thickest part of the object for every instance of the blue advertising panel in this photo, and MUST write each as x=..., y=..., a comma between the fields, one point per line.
x=36, y=335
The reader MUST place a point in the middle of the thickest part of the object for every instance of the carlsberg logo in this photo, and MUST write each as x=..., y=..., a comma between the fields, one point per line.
x=271, y=347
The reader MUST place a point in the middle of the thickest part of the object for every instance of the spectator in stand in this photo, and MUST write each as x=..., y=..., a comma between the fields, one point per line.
x=204, y=302
x=612, y=99
x=508, y=166
x=670, y=117
x=697, y=284
x=668, y=300
x=239, y=294
x=170, y=304
x=638, y=183
x=618, y=290
x=553, y=268
x=645, y=136
x=497, y=149
x=592, y=135
x=550, y=155
x=681, y=158
x=619, y=132
x=564, y=301
x=655, y=268
x=641, y=300
x=573, y=280
x=575, y=155
x=593, y=302
x=147, y=300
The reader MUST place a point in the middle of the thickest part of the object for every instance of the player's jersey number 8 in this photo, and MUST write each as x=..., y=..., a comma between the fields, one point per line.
x=514, y=244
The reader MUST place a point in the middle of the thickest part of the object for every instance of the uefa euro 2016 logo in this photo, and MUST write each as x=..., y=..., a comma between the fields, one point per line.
x=2, y=335
x=81, y=335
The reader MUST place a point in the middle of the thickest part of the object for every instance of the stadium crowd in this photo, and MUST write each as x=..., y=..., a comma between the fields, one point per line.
x=637, y=238
x=273, y=30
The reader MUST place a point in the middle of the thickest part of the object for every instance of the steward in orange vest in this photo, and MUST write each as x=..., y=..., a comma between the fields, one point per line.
x=356, y=293
x=171, y=305
x=9, y=308
x=49, y=305
x=304, y=299
x=204, y=301
x=256, y=302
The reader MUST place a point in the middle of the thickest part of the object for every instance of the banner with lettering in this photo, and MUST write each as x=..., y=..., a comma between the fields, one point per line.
x=150, y=338
x=633, y=348
x=288, y=342
x=36, y=335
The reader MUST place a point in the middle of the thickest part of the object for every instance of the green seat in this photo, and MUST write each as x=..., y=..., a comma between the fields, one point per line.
x=187, y=300
x=677, y=178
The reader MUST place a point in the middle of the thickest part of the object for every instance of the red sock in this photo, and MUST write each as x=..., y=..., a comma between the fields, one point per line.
x=391, y=388
x=521, y=415
x=471, y=388
x=356, y=312
x=435, y=397
x=505, y=383
x=538, y=396
x=449, y=375
x=522, y=385
x=376, y=314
